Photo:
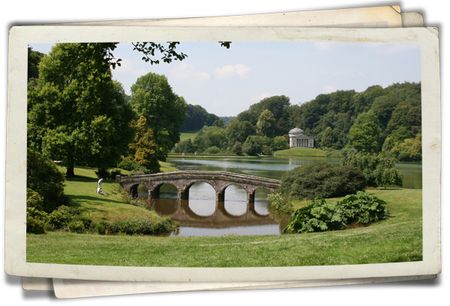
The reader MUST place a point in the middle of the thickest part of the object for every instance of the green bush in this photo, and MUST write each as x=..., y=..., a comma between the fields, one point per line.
x=36, y=220
x=280, y=203
x=76, y=226
x=322, y=180
x=129, y=164
x=136, y=227
x=378, y=169
x=61, y=217
x=34, y=199
x=44, y=178
x=164, y=226
x=102, y=227
x=212, y=150
x=357, y=209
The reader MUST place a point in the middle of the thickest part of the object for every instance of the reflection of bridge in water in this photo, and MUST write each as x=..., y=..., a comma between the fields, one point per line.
x=182, y=212
x=218, y=180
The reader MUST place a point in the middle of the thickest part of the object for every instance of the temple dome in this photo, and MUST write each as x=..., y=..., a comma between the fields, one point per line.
x=296, y=131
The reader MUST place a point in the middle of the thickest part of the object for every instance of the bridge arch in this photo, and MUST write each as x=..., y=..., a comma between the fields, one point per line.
x=235, y=200
x=201, y=198
x=261, y=201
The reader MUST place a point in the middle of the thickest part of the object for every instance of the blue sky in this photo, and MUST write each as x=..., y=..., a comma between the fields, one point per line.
x=227, y=81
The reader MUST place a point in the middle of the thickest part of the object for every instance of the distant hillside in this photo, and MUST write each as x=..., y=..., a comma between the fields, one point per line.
x=196, y=118
x=226, y=120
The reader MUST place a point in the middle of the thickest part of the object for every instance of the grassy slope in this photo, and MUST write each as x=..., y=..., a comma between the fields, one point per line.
x=398, y=238
x=187, y=135
x=299, y=152
x=81, y=191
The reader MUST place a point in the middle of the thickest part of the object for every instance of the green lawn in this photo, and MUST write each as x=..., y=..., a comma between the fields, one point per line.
x=82, y=192
x=188, y=135
x=300, y=152
x=399, y=238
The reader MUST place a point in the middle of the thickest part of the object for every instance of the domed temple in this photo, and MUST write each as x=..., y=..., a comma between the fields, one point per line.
x=297, y=139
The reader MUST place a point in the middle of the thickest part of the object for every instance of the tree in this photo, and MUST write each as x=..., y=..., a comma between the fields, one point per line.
x=153, y=98
x=279, y=143
x=34, y=58
x=265, y=123
x=210, y=136
x=278, y=106
x=143, y=147
x=379, y=170
x=197, y=117
x=255, y=145
x=237, y=148
x=76, y=112
x=44, y=179
x=410, y=149
x=364, y=135
x=185, y=146
x=239, y=130
x=326, y=141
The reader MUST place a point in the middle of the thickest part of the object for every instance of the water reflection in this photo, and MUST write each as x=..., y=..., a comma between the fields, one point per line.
x=202, y=199
x=235, y=200
x=201, y=215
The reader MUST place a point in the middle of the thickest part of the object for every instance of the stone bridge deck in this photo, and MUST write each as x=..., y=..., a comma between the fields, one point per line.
x=183, y=180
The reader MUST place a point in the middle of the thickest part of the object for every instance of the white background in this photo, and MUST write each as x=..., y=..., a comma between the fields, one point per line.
x=413, y=293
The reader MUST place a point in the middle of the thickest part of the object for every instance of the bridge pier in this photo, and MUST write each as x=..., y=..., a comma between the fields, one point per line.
x=220, y=196
x=251, y=201
x=183, y=194
x=153, y=194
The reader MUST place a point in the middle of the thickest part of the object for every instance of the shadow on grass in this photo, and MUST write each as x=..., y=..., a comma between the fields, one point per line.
x=78, y=178
x=87, y=198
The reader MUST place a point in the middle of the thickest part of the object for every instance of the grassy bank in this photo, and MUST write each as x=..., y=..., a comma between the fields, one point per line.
x=399, y=238
x=300, y=152
x=82, y=193
x=188, y=135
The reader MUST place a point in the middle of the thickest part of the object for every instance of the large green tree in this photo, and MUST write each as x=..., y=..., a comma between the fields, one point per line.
x=265, y=123
x=196, y=118
x=364, y=135
x=76, y=112
x=143, y=147
x=153, y=98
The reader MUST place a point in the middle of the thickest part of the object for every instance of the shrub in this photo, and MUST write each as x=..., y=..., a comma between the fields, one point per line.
x=34, y=199
x=136, y=227
x=44, y=178
x=212, y=150
x=322, y=180
x=129, y=164
x=76, y=226
x=36, y=220
x=280, y=203
x=164, y=226
x=359, y=209
x=379, y=170
x=61, y=217
x=237, y=148
x=102, y=227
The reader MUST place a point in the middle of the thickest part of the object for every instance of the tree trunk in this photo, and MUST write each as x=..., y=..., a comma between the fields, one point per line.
x=70, y=168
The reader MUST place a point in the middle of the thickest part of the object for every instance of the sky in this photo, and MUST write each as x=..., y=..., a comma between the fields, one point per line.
x=227, y=81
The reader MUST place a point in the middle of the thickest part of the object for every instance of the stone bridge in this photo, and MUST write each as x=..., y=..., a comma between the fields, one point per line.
x=183, y=180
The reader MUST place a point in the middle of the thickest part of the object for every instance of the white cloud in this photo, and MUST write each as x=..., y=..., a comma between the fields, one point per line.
x=229, y=71
x=188, y=72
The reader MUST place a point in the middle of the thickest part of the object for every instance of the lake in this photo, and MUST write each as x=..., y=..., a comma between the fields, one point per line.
x=200, y=215
x=274, y=167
